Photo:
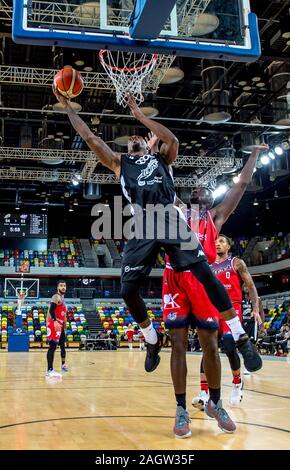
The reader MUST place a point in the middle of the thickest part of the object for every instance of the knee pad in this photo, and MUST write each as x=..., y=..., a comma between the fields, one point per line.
x=230, y=350
x=229, y=344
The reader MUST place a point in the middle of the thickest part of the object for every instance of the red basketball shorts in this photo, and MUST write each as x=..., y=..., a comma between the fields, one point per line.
x=185, y=302
x=53, y=335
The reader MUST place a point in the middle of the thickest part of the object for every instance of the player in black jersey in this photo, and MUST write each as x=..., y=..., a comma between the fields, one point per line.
x=146, y=180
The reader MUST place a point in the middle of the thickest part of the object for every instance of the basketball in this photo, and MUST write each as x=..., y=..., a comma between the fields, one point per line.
x=69, y=82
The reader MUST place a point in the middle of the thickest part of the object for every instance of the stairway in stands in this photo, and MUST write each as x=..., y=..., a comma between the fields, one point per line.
x=92, y=316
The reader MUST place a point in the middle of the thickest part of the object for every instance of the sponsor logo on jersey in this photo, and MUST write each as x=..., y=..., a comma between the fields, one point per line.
x=200, y=253
x=127, y=269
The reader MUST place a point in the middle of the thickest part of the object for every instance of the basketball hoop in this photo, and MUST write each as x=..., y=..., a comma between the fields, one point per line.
x=21, y=293
x=127, y=70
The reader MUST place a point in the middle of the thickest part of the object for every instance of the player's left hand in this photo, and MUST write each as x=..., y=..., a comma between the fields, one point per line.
x=60, y=97
x=134, y=108
x=261, y=147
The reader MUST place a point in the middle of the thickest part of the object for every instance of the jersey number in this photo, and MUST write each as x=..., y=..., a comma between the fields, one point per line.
x=228, y=275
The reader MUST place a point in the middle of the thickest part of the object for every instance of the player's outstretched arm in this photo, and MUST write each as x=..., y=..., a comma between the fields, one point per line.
x=170, y=140
x=105, y=155
x=246, y=277
x=222, y=211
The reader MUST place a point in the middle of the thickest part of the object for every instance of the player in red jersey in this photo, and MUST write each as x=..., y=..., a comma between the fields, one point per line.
x=185, y=302
x=56, y=329
x=233, y=273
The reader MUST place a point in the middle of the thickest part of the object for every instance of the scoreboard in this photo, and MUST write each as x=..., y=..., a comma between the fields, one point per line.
x=23, y=225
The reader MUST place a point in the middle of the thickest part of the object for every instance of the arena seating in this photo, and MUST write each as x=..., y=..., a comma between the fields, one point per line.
x=275, y=317
x=117, y=318
x=33, y=320
x=238, y=246
x=69, y=255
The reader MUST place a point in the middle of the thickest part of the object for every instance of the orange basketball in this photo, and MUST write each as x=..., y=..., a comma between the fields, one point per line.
x=69, y=82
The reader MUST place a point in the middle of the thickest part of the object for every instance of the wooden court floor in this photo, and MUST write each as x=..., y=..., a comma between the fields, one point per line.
x=107, y=401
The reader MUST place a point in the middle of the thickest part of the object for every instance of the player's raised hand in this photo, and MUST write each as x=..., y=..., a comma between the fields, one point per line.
x=134, y=108
x=152, y=142
x=59, y=96
x=261, y=147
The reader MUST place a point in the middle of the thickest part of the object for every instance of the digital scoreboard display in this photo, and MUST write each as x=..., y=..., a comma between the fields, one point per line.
x=23, y=225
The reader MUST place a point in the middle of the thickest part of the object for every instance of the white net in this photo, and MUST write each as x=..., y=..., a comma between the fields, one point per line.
x=128, y=72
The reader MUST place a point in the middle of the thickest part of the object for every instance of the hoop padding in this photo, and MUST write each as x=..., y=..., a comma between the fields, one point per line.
x=128, y=70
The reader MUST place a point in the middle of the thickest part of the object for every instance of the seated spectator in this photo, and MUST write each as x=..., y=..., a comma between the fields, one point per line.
x=283, y=340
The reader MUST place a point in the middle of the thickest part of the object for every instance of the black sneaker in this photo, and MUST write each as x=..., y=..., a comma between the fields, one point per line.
x=252, y=359
x=152, y=357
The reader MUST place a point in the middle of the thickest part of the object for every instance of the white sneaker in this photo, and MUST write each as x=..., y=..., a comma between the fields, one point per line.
x=246, y=372
x=200, y=401
x=53, y=373
x=237, y=394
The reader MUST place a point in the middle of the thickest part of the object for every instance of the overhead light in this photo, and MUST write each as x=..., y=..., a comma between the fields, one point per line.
x=265, y=159
x=61, y=107
x=236, y=179
x=220, y=190
x=95, y=120
x=76, y=180
x=184, y=144
x=242, y=83
x=43, y=209
x=267, y=206
x=172, y=75
x=206, y=23
x=88, y=68
x=75, y=203
x=149, y=111
x=193, y=141
x=276, y=195
x=260, y=84
x=60, y=134
x=257, y=224
x=271, y=155
x=278, y=150
x=203, y=137
x=66, y=137
x=17, y=208
x=256, y=202
x=70, y=208
x=122, y=141
x=79, y=62
x=247, y=88
x=46, y=202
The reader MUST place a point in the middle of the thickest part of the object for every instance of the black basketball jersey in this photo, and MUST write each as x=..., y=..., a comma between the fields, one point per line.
x=246, y=308
x=146, y=180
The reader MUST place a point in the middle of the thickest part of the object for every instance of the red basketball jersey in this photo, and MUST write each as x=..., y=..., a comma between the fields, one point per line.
x=225, y=271
x=60, y=312
x=202, y=224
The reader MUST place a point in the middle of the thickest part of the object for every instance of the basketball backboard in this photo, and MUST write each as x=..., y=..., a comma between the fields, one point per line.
x=216, y=29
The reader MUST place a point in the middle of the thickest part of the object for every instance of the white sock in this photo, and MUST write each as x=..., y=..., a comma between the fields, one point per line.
x=236, y=328
x=149, y=334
